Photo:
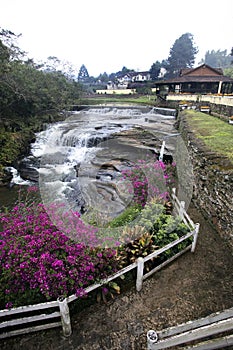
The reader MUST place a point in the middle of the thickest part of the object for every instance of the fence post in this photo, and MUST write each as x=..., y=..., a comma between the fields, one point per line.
x=195, y=235
x=182, y=209
x=162, y=151
x=152, y=338
x=173, y=192
x=140, y=269
x=65, y=316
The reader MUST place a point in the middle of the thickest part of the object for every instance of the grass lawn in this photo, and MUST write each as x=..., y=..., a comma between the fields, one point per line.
x=149, y=100
x=216, y=134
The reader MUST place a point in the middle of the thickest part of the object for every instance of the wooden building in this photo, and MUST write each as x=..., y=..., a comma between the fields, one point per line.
x=202, y=80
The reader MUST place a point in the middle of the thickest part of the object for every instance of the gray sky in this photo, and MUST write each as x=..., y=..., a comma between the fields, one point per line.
x=106, y=35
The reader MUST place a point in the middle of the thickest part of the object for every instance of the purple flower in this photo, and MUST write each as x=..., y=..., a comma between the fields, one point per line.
x=9, y=305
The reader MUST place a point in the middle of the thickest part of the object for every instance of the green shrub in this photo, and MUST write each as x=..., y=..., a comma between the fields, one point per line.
x=129, y=215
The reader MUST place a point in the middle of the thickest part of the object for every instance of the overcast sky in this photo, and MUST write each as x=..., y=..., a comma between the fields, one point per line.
x=106, y=35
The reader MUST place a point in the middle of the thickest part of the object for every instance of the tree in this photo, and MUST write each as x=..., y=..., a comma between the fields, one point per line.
x=182, y=55
x=9, y=40
x=155, y=70
x=103, y=78
x=28, y=90
x=217, y=59
x=125, y=70
x=54, y=64
x=228, y=72
x=83, y=75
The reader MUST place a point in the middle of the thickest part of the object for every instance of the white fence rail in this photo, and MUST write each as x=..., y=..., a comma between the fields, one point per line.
x=211, y=325
x=12, y=326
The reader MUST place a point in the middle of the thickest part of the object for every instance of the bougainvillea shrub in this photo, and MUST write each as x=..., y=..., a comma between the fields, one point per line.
x=149, y=180
x=39, y=262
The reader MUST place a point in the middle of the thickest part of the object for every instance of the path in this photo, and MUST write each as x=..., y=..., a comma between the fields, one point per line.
x=193, y=286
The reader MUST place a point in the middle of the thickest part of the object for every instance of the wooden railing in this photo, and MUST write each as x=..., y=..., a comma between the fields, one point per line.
x=186, y=333
x=31, y=321
x=29, y=315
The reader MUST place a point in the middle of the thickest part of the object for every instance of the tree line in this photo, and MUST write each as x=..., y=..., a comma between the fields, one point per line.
x=29, y=90
x=31, y=95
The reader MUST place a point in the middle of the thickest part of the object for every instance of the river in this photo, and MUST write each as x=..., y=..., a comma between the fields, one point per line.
x=75, y=161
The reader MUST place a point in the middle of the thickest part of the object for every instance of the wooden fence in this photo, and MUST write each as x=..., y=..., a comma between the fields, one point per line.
x=212, y=325
x=30, y=320
x=11, y=325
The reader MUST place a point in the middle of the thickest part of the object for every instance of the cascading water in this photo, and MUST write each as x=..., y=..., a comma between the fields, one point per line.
x=79, y=163
x=64, y=146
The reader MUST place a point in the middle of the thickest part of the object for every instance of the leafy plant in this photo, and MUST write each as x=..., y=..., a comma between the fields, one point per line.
x=136, y=242
x=129, y=215
x=109, y=290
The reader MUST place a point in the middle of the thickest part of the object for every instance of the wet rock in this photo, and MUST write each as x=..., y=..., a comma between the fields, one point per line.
x=27, y=171
x=6, y=177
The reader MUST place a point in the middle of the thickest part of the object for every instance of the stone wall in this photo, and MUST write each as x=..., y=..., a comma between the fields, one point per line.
x=213, y=188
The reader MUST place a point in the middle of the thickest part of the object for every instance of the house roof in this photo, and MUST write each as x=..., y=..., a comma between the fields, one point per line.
x=132, y=74
x=204, y=69
x=201, y=74
x=142, y=73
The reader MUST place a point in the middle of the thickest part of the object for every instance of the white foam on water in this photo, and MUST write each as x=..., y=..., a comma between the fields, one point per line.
x=17, y=180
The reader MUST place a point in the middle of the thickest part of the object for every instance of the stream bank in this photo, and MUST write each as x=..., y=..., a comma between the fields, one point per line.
x=213, y=185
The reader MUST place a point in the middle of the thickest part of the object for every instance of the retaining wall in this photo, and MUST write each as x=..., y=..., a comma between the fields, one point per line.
x=222, y=105
x=213, y=188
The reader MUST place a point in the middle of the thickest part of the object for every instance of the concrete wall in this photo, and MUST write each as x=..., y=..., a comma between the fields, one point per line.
x=116, y=92
x=221, y=100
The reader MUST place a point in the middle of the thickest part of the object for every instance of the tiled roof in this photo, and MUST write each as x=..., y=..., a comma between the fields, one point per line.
x=203, y=67
x=201, y=74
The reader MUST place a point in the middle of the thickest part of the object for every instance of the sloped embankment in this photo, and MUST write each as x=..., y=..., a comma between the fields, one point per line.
x=213, y=172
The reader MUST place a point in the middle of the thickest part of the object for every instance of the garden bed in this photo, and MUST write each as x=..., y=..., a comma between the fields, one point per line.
x=53, y=256
x=10, y=316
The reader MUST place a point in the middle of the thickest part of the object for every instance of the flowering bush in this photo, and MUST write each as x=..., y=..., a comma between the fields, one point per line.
x=149, y=180
x=39, y=262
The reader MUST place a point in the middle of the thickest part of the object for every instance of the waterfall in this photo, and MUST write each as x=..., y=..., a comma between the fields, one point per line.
x=59, y=150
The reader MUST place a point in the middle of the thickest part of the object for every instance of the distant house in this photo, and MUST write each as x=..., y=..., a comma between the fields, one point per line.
x=203, y=79
x=132, y=77
x=141, y=76
x=111, y=85
x=125, y=78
